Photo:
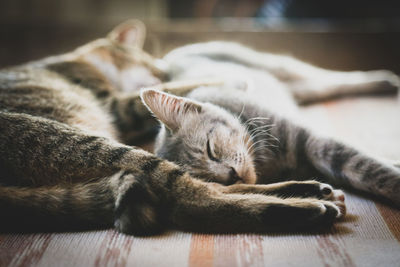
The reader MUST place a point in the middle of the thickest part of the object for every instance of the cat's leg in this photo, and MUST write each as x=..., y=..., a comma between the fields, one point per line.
x=326, y=85
x=216, y=210
x=57, y=208
x=140, y=205
x=342, y=164
x=309, y=83
x=138, y=192
x=302, y=189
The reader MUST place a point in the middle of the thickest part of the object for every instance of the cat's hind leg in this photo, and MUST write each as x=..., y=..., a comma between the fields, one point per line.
x=75, y=206
x=309, y=83
x=327, y=85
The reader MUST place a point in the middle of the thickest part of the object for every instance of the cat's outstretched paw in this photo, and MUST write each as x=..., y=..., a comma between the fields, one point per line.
x=334, y=195
x=324, y=196
x=384, y=78
x=331, y=210
x=303, y=212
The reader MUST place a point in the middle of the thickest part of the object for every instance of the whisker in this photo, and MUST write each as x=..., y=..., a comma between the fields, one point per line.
x=241, y=113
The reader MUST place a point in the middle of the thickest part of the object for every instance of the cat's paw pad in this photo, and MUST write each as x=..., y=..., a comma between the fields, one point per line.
x=332, y=210
x=328, y=212
x=334, y=195
x=339, y=200
x=326, y=191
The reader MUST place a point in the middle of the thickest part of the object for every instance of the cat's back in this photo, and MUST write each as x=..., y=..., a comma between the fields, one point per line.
x=35, y=89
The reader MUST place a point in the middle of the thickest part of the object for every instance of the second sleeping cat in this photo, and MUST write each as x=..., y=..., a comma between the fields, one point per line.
x=247, y=131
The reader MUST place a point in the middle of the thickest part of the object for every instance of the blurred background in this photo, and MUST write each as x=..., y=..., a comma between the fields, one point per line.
x=341, y=34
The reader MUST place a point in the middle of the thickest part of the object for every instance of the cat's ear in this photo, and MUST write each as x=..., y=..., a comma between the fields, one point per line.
x=131, y=33
x=169, y=109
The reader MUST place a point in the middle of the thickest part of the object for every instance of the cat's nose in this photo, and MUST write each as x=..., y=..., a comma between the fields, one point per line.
x=233, y=177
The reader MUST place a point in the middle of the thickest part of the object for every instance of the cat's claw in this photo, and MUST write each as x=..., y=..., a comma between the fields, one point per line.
x=334, y=195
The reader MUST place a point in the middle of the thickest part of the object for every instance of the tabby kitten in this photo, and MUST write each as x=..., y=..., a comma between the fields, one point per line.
x=247, y=132
x=64, y=163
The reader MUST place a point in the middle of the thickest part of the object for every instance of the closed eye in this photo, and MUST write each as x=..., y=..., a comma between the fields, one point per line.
x=210, y=152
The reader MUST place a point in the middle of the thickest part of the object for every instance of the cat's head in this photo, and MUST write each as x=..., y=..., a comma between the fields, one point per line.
x=205, y=139
x=121, y=59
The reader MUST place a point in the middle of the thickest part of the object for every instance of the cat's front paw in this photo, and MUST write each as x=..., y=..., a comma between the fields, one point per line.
x=385, y=78
x=330, y=211
x=303, y=213
x=334, y=195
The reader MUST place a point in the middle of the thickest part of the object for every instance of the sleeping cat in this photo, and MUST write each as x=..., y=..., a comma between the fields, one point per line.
x=64, y=163
x=246, y=131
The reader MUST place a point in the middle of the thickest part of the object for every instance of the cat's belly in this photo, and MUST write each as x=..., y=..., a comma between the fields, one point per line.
x=270, y=93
